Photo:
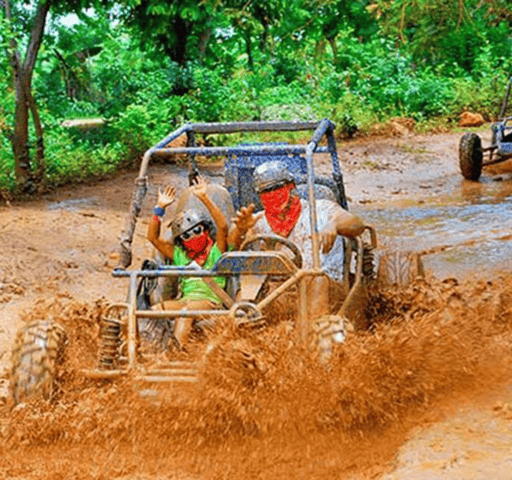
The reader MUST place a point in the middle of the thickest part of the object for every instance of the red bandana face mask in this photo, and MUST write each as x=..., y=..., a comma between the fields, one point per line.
x=198, y=247
x=281, y=209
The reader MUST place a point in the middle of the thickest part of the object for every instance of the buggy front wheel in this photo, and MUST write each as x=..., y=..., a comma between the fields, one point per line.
x=38, y=350
x=470, y=156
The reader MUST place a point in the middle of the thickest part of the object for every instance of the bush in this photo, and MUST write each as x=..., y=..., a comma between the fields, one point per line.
x=143, y=96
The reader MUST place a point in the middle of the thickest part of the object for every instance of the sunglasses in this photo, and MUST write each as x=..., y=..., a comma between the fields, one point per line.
x=193, y=232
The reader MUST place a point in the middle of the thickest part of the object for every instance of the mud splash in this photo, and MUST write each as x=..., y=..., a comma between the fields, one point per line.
x=263, y=408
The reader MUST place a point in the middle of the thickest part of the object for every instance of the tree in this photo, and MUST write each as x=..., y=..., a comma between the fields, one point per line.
x=440, y=31
x=186, y=30
x=180, y=28
x=252, y=19
x=25, y=26
x=22, y=69
x=326, y=19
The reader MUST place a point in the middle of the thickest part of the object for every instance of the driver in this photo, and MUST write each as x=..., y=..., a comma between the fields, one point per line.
x=192, y=245
x=287, y=215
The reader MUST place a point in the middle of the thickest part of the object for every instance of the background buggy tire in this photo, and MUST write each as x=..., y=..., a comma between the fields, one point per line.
x=326, y=331
x=38, y=350
x=470, y=156
x=400, y=268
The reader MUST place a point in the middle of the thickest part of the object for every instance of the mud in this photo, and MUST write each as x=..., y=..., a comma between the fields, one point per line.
x=424, y=394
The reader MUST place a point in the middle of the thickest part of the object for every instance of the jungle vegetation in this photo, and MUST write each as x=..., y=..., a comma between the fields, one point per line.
x=146, y=67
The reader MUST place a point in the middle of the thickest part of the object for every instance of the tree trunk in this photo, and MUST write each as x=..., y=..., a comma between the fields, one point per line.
x=178, y=52
x=22, y=78
x=248, y=49
x=265, y=25
x=20, y=145
x=334, y=47
x=204, y=38
x=40, y=163
x=319, y=49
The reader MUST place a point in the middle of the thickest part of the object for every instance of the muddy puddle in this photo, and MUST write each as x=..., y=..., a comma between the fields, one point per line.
x=74, y=204
x=262, y=409
x=469, y=230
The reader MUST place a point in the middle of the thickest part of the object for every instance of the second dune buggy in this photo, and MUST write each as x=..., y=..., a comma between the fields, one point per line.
x=473, y=156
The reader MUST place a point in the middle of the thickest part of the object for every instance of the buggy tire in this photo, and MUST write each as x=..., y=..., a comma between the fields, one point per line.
x=326, y=331
x=37, y=352
x=368, y=263
x=400, y=268
x=470, y=156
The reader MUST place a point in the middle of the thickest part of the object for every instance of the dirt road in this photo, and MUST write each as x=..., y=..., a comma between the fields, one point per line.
x=63, y=247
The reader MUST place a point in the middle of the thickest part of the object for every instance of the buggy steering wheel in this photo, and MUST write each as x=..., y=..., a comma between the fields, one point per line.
x=270, y=241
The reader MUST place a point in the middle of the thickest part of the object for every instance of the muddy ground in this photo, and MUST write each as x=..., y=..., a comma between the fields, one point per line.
x=425, y=395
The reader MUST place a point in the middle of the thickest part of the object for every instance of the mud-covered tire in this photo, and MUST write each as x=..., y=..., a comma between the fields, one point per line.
x=368, y=263
x=400, y=268
x=470, y=156
x=325, y=332
x=38, y=350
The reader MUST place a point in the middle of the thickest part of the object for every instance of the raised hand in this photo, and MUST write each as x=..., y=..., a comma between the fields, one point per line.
x=199, y=187
x=245, y=218
x=166, y=196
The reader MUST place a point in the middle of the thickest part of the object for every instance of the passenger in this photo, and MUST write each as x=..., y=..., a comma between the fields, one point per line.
x=287, y=215
x=192, y=245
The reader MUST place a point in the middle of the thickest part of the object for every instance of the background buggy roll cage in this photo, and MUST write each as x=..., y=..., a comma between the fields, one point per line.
x=162, y=150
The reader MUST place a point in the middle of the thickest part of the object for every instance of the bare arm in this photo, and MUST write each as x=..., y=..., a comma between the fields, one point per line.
x=349, y=225
x=343, y=223
x=199, y=190
x=165, y=198
x=163, y=246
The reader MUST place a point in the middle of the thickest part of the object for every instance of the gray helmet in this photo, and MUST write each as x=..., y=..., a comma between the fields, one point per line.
x=271, y=174
x=186, y=220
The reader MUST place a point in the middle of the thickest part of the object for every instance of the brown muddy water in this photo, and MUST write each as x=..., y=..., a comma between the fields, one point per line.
x=262, y=408
x=462, y=233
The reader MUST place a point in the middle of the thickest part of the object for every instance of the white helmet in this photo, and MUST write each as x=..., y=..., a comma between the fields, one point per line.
x=188, y=219
x=271, y=174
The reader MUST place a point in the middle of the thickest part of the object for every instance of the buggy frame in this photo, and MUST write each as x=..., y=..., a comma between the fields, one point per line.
x=125, y=316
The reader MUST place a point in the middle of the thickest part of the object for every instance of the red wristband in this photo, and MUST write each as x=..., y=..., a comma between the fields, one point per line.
x=156, y=218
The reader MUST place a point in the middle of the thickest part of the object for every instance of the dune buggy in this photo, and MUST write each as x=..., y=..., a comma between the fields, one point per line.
x=473, y=157
x=245, y=301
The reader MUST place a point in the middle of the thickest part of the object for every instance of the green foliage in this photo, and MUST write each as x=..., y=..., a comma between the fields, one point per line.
x=355, y=62
x=438, y=32
x=7, y=180
x=177, y=28
x=141, y=126
x=70, y=161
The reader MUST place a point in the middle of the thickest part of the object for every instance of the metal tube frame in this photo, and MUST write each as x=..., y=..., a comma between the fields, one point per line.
x=162, y=149
x=133, y=314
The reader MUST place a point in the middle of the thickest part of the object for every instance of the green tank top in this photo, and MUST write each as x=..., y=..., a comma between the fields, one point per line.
x=194, y=288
